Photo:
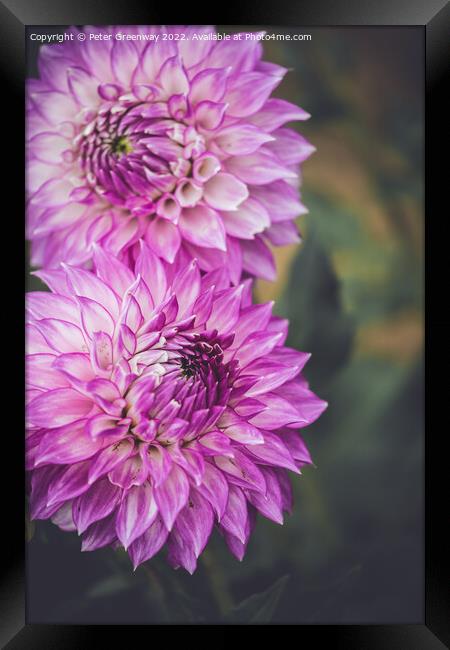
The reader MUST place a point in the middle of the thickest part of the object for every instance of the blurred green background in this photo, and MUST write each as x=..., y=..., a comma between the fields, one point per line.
x=352, y=552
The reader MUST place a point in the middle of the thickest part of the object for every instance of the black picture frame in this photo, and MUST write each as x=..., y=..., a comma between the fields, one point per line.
x=434, y=17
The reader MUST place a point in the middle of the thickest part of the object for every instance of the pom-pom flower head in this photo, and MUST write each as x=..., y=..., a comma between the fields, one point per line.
x=160, y=402
x=175, y=141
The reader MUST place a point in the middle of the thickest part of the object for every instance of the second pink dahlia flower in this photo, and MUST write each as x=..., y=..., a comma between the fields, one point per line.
x=176, y=141
x=160, y=403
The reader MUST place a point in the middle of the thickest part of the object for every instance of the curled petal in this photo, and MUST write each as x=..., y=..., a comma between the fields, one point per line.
x=136, y=513
x=58, y=407
x=100, y=533
x=203, y=226
x=109, y=458
x=191, y=532
x=95, y=504
x=149, y=543
x=172, y=495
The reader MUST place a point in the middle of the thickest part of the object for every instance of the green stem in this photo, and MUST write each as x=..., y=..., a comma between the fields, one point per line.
x=217, y=582
x=159, y=589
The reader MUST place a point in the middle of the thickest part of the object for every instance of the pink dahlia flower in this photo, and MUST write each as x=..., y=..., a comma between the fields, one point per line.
x=176, y=142
x=160, y=403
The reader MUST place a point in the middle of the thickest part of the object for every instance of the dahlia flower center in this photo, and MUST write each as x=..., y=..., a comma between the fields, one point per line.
x=193, y=378
x=121, y=145
x=137, y=155
x=201, y=359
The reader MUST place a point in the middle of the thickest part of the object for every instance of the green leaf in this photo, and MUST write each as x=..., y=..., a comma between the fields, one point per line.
x=110, y=586
x=318, y=322
x=259, y=608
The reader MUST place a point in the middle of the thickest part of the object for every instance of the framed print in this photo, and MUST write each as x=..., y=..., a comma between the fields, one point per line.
x=224, y=346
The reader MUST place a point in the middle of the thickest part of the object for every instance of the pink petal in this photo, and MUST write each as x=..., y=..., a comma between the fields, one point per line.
x=259, y=168
x=296, y=445
x=186, y=287
x=209, y=115
x=251, y=319
x=283, y=233
x=214, y=488
x=127, y=342
x=58, y=407
x=242, y=54
x=195, y=55
x=247, y=407
x=273, y=452
x=275, y=376
x=54, y=193
x=74, y=365
x=163, y=238
x=148, y=544
x=225, y=192
x=88, y=285
x=242, y=471
x=258, y=260
x=122, y=236
x=249, y=218
x=129, y=473
x=101, y=350
x=240, y=138
x=203, y=226
x=279, y=412
x=94, y=317
x=43, y=304
x=172, y=495
x=257, y=345
x=67, y=444
x=215, y=442
x=63, y=517
x=56, y=280
x=234, y=260
x=97, y=503
x=52, y=68
x=70, y=484
x=109, y=458
x=285, y=488
x=234, y=519
x=99, y=534
x=271, y=503
x=290, y=147
x=136, y=513
x=83, y=87
x=172, y=78
x=248, y=92
x=191, y=532
x=103, y=424
x=41, y=374
x=35, y=342
x=149, y=266
x=48, y=147
x=225, y=310
x=284, y=196
x=41, y=480
x=61, y=335
x=281, y=325
x=58, y=219
x=191, y=461
x=276, y=112
x=153, y=58
x=55, y=107
x=111, y=271
x=244, y=433
x=124, y=60
x=207, y=84
x=159, y=464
